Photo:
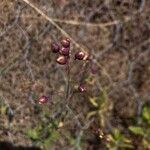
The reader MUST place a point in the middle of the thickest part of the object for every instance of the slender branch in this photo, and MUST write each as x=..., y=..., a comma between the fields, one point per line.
x=101, y=25
x=68, y=81
x=53, y=23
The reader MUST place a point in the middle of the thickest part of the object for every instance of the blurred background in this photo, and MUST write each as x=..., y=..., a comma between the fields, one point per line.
x=114, y=112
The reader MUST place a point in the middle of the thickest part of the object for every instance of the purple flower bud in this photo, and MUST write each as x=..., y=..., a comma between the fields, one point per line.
x=43, y=99
x=65, y=43
x=80, y=55
x=64, y=51
x=62, y=60
x=82, y=88
x=55, y=47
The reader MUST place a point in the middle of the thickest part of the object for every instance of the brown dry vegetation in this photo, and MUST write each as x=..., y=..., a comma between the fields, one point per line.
x=115, y=32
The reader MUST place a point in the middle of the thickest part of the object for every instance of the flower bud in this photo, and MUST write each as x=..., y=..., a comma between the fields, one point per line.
x=62, y=60
x=55, y=47
x=81, y=88
x=43, y=99
x=80, y=55
x=65, y=43
x=64, y=51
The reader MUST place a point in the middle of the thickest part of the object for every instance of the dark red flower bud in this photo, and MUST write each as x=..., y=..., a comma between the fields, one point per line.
x=64, y=51
x=62, y=60
x=55, y=47
x=43, y=99
x=80, y=55
x=65, y=43
x=82, y=88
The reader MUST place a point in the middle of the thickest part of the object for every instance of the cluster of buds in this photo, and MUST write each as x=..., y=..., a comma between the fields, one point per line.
x=63, y=49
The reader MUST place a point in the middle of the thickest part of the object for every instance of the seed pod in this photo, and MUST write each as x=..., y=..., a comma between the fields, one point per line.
x=64, y=51
x=82, y=88
x=80, y=55
x=43, y=99
x=55, y=47
x=65, y=43
x=62, y=60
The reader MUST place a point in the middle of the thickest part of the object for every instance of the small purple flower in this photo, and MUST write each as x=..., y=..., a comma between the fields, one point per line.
x=80, y=55
x=65, y=43
x=43, y=99
x=64, y=51
x=62, y=60
x=55, y=47
x=82, y=88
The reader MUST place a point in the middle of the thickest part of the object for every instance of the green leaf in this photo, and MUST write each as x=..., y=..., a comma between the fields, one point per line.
x=146, y=144
x=146, y=113
x=102, y=99
x=124, y=145
x=49, y=141
x=33, y=134
x=54, y=135
x=137, y=130
x=71, y=140
x=90, y=114
x=3, y=109
x=116, y=134
x=93, y=101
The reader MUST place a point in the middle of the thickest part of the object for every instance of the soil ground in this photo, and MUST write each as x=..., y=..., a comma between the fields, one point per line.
x=116, y=34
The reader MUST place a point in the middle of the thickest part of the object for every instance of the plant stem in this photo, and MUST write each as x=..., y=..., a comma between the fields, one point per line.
x=68, y=81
